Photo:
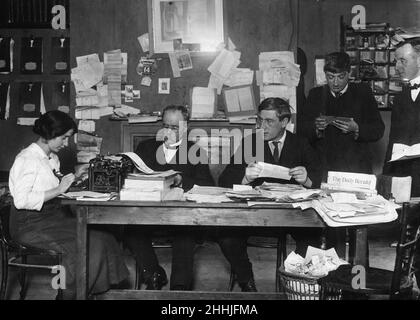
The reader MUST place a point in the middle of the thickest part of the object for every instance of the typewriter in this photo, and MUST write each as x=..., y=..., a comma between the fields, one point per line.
x=107, y=173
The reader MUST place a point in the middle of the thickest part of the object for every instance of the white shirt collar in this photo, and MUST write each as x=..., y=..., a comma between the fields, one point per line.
x=37, y=149
x=170, y=153
x=415, y=80
x=281, y=140
x=415, y=93
x=342, y=91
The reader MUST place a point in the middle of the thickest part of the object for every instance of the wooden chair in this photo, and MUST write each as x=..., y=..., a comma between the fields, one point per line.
x=397, y=284
x=16, y=254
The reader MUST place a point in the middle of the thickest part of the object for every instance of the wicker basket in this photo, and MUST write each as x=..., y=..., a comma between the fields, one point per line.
x=299, y=287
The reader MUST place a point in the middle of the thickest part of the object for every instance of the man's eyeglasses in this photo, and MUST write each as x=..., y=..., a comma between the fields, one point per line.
x=267, y=122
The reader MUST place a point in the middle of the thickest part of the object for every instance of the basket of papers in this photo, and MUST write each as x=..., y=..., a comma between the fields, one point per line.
x=299, y=277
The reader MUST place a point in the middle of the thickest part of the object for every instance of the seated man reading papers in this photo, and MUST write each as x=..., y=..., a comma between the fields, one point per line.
x=161, y=156
x=280, y=148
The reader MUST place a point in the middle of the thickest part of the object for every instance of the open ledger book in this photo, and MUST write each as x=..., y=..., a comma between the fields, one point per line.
x=403, y=152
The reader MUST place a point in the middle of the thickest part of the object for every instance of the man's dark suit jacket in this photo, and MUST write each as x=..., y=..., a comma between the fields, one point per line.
x=405, y=128
x=199, y=174
x=339, y=151
x=296, y=152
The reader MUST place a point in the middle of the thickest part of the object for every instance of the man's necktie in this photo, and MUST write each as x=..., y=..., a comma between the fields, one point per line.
x=276, y=152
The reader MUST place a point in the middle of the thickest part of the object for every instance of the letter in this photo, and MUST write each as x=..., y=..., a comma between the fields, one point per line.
x=254, y=309
x=359, y=20
x=193, y=158
x=192, y=310
x=164, y=310
x=359, y=280
x=248, y=147
x=59, y=280
x=59, y=20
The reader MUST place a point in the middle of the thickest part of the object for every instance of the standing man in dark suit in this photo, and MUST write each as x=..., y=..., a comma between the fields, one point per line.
x=280, y=148
x=405, y=120
x=344, y=144
x=170, y=151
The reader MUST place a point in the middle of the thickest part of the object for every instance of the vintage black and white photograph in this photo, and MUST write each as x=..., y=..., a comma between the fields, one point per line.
x=210, y=157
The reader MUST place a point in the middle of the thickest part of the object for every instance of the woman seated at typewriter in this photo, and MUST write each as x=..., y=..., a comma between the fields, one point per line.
x=39, y=219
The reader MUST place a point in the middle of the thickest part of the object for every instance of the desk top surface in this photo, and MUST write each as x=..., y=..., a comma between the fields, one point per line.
x=178, y=204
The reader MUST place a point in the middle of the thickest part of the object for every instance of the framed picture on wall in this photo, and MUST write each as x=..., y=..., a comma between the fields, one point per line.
x=191, y=25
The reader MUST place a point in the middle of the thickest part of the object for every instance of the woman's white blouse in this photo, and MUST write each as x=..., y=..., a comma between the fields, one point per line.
x=31, y=175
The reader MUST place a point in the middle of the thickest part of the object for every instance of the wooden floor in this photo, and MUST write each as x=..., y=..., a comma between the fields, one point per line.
x=212, y=270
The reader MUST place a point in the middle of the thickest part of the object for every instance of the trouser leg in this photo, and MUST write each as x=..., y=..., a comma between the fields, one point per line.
x=182, y=261
x=234, y=248
x=305, y=237
x=139, y=241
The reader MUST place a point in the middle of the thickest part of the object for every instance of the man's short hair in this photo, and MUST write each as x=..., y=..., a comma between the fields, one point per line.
x=415, y=43
x=279, y=105
x=337, y=62
x=181, y=109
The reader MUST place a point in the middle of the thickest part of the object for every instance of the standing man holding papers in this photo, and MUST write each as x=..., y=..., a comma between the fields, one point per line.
x=281, y=148
x=405, y=128
x=343, y=143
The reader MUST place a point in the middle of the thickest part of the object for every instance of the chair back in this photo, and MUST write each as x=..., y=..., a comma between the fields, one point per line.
x=4, y=224
x=408, y=240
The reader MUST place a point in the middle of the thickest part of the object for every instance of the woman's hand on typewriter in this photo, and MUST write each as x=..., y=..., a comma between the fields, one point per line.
x=66, y=182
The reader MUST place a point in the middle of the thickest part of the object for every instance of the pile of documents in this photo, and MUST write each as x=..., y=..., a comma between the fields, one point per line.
x=278, y=77
x=88, y=147
x=317, y=262
x=148, y=187
x=342, y=210
x=89, y=196
x=363, y=185
x=202, y=194
x=290, y=193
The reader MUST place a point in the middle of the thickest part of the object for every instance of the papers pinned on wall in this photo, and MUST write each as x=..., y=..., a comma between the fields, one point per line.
x=4, y=100
x=278, y=77
x=320, y=79
x=203, y=102
x=239, y=102
x=222, y=67
x=180, y=61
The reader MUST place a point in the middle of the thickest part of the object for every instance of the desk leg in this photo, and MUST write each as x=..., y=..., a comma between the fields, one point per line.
x=359, y=250
x=81, y=274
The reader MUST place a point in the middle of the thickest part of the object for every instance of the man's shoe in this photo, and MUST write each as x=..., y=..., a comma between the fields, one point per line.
x=155, y=280
x=249, y=286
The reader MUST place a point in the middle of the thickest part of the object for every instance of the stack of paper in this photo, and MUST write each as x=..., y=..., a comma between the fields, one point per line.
x=201, y=194
x=88, y=147
x=278, y=77
x=147, y=187
x=89, y=196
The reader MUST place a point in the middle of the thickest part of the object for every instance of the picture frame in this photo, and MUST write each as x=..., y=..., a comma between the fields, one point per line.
x=191, y=25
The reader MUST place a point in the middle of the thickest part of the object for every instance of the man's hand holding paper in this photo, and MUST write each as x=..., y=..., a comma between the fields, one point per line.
x=346, y=125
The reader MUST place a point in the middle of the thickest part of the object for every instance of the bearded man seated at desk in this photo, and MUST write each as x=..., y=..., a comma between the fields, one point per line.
x=162, y=156
x=280, y=148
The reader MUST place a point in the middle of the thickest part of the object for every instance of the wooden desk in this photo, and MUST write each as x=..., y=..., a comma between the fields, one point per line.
x=190, y=214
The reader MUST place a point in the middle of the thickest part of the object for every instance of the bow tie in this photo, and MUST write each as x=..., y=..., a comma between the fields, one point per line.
x=414, y=86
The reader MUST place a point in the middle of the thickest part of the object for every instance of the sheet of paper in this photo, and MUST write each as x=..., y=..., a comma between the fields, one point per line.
x=26, y=121
x=86, y=125
x=138, y=162
x=203, y=102
x=224, y=63
x=344, y=197
x=246, y=99
x=215, y=83
x=239, y=77
x=144, y=42
x=401, y=151
x=273, y=171
x=232, y=101
x=88, y=143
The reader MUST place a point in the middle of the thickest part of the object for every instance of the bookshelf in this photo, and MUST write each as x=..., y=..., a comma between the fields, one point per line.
x=372, y=60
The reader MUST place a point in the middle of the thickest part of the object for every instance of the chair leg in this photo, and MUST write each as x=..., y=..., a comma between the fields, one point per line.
x=4, y=272
x=232, y=280
x=22, y=280
x=281, y=255
x=59, y=290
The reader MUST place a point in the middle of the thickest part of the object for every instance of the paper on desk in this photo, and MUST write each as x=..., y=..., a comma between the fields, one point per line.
x=88, y=195
x=344, y=197
x=274, y=171
x=241, y=187
x=138, y=162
